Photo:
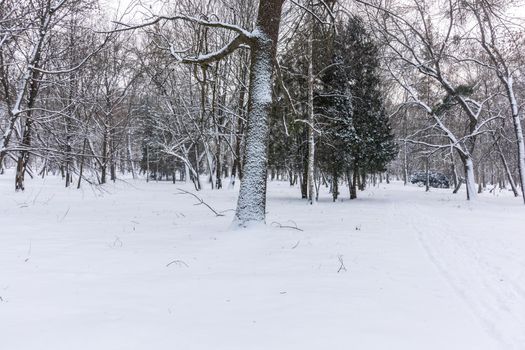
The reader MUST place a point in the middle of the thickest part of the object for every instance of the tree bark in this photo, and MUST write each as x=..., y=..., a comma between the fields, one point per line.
x=251, y=205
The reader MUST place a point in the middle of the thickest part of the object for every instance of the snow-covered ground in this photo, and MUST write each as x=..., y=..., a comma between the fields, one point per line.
x=138, y=266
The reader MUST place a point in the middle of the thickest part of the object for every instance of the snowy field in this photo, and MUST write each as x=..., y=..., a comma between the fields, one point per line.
x=138, y=266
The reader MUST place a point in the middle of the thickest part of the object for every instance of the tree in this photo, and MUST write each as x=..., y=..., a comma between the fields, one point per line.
x=335, y=110
x=358, y=126
x=262, y=41
x=492, y=29
x=36, y=49
x=251, y=205
x=420, y=48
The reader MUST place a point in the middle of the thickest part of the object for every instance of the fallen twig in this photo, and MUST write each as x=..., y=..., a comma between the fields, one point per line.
x=178, y=263
x=28, y=252
x=342, y=267
x=201, y=201
x=63, y=217
x=279, y=225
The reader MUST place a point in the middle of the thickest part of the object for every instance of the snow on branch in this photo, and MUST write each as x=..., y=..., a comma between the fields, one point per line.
x=200, y=21
x=242, y=40
x=423, y=143
x=238, y=42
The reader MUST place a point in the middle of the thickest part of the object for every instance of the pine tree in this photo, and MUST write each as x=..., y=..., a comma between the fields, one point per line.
x=373, y=147
x=334, y=106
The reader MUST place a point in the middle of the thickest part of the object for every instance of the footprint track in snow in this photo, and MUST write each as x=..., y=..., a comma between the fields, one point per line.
x=480, y=283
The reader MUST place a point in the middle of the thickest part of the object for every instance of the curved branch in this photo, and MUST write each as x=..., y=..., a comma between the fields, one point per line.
x=203, y=22
x=238, y=42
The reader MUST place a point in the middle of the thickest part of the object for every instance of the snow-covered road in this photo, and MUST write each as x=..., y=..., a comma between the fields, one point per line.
x=136, y=266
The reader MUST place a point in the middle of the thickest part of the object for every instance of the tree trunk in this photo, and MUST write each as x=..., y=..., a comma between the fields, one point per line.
x=353, y=185
x=519, y=134
x=82, y=163
x=251, y=205
x=23, y=158
x=147, y=164
x=458, y=186
x=105, y=153
x=506, y=166
x=335, y=186
x=454, y=172
x=427, y=175
x=304, y=178
x=470, y=181
x=362, y=182
x=130, y=155
x=311, y=136
x=237, y=163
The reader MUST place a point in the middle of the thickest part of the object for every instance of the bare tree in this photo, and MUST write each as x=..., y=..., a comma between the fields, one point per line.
x=493, y=28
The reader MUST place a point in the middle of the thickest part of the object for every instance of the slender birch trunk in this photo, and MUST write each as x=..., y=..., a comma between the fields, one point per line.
x=518, y=130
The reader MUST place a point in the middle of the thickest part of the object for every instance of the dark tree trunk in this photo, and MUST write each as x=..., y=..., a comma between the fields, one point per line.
x=353, y=183
x=23, y=158
x=82, y=163
x=304, y=178
x=335, y=186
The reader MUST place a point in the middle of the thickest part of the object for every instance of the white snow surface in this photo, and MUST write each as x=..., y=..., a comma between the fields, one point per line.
x=87, y=269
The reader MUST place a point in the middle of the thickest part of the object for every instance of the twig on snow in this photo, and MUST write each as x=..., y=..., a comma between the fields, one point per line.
x=342, y=266
x=28, y=252
x=178, y=263
x=201, y=201
x=63, y=217
x=279, y=225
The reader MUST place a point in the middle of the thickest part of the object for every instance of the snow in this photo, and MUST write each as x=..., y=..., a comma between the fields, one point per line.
x=87, y=269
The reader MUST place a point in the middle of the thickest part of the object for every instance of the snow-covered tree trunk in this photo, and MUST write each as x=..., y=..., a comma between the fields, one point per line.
x=131, y=163
x=251, y=204
x=470, y=181
x=518, y=130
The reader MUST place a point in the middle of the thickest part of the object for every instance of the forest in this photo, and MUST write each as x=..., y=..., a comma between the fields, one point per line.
x=395, y=87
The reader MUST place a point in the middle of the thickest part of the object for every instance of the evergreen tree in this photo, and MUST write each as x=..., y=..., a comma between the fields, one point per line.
x=334, y=108
x=373, y=146
x=154, y=162
x=354, y=137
